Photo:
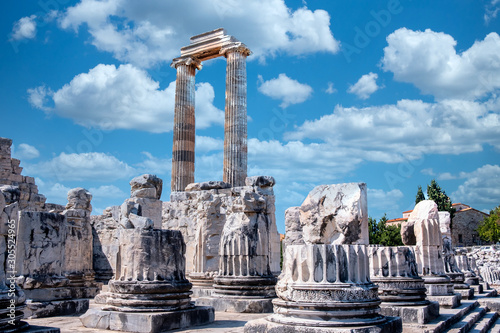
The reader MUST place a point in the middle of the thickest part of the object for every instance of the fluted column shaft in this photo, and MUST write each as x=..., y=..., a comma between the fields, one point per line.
x=235, y=128
x=184, y=127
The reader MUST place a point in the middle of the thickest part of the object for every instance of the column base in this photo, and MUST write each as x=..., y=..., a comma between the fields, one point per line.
x=146, y=322
x=450, y=301
x=421, y=314
x=390, y=325
x=478, y=289
x=36, y=309
x=467, y=293
x=237, y=304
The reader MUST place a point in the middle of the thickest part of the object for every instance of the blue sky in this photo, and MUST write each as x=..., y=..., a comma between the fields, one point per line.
x=391, y=93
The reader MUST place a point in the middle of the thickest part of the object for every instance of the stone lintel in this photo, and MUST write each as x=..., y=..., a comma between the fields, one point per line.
x=140, y=322
x=391, y=325
x=186, y=60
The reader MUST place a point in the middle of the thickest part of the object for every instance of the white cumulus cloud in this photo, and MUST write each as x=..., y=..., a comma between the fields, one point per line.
x=288, y=90
x=366, y=85
x=151, y=32
x=24, y=28
x=430, y=61
x=26, y=152
x=481, y=187
x=122, y=98
x=81, y=167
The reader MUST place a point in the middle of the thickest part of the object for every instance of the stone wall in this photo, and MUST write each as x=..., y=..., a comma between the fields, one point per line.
x=201, y=212
x=464, y=226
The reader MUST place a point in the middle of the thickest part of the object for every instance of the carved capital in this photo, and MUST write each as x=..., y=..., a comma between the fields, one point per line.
x=187, y=61
x=235, y=47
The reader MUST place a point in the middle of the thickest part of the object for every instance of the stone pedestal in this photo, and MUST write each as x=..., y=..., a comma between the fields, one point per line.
x=424, y=220
x=325, y=285
x=245, y=282
x=150, y=292
x=401, y=290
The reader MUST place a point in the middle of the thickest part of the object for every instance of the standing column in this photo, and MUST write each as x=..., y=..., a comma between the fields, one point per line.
x=184, y=124
x=235, y=128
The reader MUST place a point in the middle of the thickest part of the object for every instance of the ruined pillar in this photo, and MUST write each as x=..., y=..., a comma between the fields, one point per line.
x=184, y=123
x=235, y=128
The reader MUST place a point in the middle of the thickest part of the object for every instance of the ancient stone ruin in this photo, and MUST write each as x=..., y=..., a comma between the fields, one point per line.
x=149, y=292
x=203, y=47
x=401, y=289
x=423, y=231
x=325, y=285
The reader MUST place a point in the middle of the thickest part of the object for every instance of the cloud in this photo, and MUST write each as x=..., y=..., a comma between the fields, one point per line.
x=206, y=144
x=365, y=86
x=491, y=11
x=153, y=32
x=330, y=89
x=154, y=165
x=26, y=152
x=81, y=167
x=288, y=90
x=439, y=176
x=107, y=191
x=429, y=60
x=24, y=28
x=383, y=201
x=406, y=130
x=122, y=98
x=481, y=187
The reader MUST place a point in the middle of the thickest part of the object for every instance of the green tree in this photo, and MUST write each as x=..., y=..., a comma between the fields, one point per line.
x=420, y=195
x=383, y=234
x=489, y=228
x=436, y=194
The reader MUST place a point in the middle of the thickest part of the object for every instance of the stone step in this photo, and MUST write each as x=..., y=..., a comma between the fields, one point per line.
x=446, y=319
x=483, y=325
x=495, y=328
x=465, y=324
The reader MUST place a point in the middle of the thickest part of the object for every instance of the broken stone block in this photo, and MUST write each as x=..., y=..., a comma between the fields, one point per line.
x=325, y=285
x=205, y=186
x=146, y=186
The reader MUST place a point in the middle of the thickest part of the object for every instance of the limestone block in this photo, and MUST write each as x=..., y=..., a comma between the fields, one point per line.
x=79, y=198
x=262, y=181
x=427, y=229
x=335, y=214
x=40, y=244
x=146, y=186
x=11, y=193
x=105, y=243
x=293, y=227
x=210, y=185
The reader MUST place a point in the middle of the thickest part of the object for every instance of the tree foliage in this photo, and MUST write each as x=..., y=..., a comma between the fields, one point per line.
x=383, y=234
x=436, y=194
x=489, y=228
x=420, y=195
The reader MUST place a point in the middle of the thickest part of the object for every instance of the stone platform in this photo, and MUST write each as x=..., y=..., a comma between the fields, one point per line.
x=391, y=325
x=446, y=301
x=55, y=308
x=147, y=322
x=240, y=305
x=411, y=314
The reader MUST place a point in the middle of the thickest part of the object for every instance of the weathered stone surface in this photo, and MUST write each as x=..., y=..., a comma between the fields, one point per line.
x=201, y=215
x=79, y=198
x=205, y=186
x=402, y=291
x=335, y=214
x=147, y=322
x=293, y=227
x=262, y=181
x=146, y=186
x=105, y=243
x=324, y=286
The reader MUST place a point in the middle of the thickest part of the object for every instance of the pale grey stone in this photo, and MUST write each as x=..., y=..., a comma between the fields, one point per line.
x=146, y=181
x=335, y=214
x=205, y=186
x=262, y=181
